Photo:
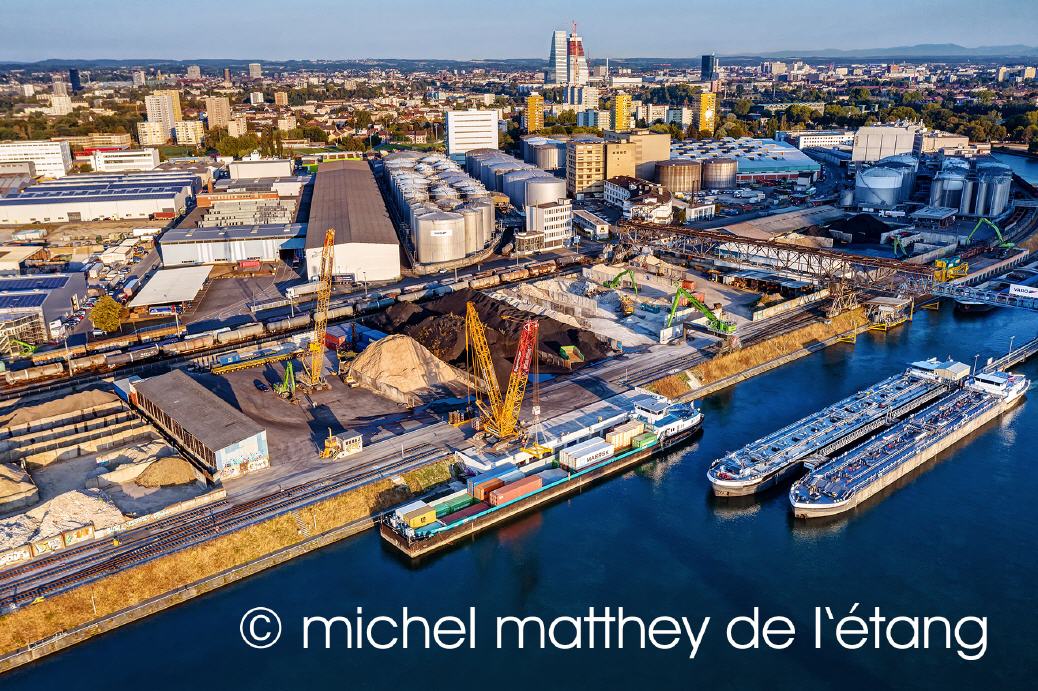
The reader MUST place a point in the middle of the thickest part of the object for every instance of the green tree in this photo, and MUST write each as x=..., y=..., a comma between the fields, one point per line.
x=742, y=107
x=107, y=314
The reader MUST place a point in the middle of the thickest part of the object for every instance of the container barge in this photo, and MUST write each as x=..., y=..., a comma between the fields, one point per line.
x=653, y=426
x=813, y=439
x=862, y=472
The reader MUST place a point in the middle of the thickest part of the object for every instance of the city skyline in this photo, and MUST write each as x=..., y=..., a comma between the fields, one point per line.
x=51, y=29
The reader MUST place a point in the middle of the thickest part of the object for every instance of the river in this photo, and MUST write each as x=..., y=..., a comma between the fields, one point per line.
x=1024, y=166
x=956, y=539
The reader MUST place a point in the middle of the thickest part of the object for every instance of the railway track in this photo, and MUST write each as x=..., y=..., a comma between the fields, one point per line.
x=52, y=575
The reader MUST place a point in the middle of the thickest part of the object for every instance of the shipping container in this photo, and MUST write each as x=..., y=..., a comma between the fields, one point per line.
x=249, y=264
x=514, y=490
x=470, y=510
x=586, y=453
x=643, y=440
x=420, y=516
x=496, y=472
x=228, y=358
x=400, y=511
x=481, y=490
x=455, y=502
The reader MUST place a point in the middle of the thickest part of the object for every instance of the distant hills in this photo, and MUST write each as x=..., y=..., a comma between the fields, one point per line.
x=921, y=50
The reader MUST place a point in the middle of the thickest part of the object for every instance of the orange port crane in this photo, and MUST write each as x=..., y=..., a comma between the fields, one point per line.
x=500, y=413
x=324, y=296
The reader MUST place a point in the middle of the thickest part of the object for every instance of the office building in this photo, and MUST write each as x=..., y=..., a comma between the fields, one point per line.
x=710, y=70
x=552, y=220
x=60, y=105
x=772, y=68
x=576, y=61
x=347, y=199
x=471, y=129
x=139, y=78
x=875, y=142
x=704, y=112
x=174, y=97
x=256, y=98
x=51, y=159
x=124, y=161
x=74, y=80
x=217, y=111
x=556, y=72
x=581, y=97
x=601, y=119
x=621, y=112
x=160, y=111
x=58, y=87
x=930, y=143
x=227, y=75
x=281, y=98
x=534, y=116
x=152, y=133
x=649, y=147
x=96, y=140
x=35, y=305
x=286, y=122
x=194, y=72
x=817, y=139
x=590, y=160
x=255, y=70
x=238, y=127
x=640, y=200
x=189, y=132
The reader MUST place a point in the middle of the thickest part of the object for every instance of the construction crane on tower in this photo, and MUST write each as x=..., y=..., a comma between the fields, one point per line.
x=499, y=413
x=324, y=296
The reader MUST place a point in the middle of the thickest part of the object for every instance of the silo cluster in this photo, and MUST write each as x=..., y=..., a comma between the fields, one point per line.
x=547, y=153
x=450, y=214
x=983, y=191
x=680, y=175
x=515, y=179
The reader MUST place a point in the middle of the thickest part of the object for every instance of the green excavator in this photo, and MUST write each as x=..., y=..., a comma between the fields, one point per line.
x=616, y=280
x=1002, y=242
x=286, y=388
x=714, y=323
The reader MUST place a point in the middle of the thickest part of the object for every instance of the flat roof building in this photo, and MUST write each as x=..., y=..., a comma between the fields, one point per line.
x=757, y=159
x=220, y=245
x=47, y=298
x=347, y=199
x=52, y=159
x=471, y=129
x=219, y=435
x=124, y=161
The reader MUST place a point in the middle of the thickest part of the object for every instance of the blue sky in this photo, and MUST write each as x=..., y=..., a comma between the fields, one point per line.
x=281, y=29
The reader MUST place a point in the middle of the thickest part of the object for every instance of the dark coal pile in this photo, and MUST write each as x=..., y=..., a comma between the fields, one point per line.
x=863, y=228
x=439, y=325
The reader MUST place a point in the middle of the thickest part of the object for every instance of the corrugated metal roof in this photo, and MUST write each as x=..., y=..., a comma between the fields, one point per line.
x=347, y=199
x=206, y=417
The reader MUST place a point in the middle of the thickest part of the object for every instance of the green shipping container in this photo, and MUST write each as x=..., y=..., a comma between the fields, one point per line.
x=643, y=440
x=457, y=504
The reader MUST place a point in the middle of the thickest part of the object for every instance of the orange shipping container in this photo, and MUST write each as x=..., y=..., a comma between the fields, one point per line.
x=514, y=490
x=480, y=492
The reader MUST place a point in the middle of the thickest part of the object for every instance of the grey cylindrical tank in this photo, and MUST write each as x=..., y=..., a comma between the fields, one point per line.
x=981, y=198
x=542, y=190
x=440, y=237
x=966, y=204
x=680, y=175
x=720, y=173
x=472, y=218
x=486, y=209
x=879, y=186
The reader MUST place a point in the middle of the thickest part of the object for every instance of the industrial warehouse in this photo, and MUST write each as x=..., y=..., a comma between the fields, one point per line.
x=346, y=199
x=100, y=197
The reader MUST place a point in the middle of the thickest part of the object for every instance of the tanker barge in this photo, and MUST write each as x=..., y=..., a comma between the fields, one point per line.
x=769, y=460
x=849, y=480
x=652, y=426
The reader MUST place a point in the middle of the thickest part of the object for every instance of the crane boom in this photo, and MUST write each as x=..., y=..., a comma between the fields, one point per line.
x=324, y=296
x=715, y=323
x=500, y=412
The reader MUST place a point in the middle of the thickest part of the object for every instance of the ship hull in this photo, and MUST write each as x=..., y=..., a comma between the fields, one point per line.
x=445, y=538
x=811, y=510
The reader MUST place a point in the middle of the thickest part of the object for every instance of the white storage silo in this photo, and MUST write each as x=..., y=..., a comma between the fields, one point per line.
x=440, y=237
x=545, y=189
x=878, y=187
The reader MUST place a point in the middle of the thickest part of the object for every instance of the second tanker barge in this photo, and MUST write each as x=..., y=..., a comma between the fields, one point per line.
x=849, y=480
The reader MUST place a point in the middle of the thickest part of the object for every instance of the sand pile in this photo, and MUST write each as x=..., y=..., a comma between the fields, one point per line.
x=13, y=480
x=61, y=406
x=168, y=471
x=66, y=511
x=404, y=365
x=137, y=453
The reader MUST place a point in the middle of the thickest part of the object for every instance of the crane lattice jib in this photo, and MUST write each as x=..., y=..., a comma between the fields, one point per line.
x=524, y=355
x=324, y=295
x=483, y=363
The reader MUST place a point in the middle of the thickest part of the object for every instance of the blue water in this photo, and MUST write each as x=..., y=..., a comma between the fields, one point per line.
x=955, y=540
x=1024, y=166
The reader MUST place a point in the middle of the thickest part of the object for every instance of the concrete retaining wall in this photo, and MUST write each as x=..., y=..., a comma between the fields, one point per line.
x=789, y=305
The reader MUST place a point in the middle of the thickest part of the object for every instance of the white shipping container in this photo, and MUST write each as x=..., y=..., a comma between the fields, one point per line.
x=1023, y=291
x=401, y=511
x=586, y=453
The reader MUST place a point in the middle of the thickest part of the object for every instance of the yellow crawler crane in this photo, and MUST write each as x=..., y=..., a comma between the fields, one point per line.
x=324, y=296
x=500, y=413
